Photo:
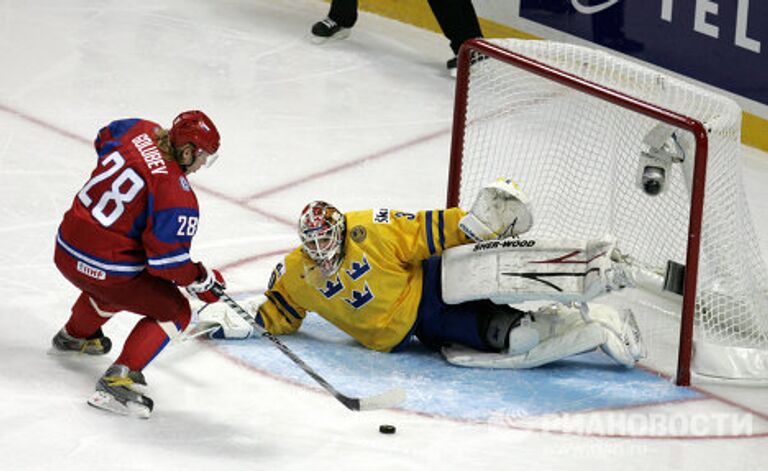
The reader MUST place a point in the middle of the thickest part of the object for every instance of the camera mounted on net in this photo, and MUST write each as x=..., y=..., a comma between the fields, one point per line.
x=663, y=149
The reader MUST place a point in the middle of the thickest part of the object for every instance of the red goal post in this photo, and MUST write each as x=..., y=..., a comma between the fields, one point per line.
x=492, y=71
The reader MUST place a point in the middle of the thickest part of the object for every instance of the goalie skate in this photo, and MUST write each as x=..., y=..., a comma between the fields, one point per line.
x=117, y=392
x=624, y=342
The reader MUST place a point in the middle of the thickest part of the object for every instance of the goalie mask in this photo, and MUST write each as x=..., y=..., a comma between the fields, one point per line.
x=321, y=229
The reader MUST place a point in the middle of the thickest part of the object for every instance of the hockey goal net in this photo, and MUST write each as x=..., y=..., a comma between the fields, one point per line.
x=578, y=129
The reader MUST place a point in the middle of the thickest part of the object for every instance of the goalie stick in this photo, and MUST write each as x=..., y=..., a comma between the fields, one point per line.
x=380, y=401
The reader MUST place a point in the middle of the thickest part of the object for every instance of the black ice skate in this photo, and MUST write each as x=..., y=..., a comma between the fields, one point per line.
x=451, y=66
x=96, y=344
x=116, y=392
x=453, y=63
x=328, y=29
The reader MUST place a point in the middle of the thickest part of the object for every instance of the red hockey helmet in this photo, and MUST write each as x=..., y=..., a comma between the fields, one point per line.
x=194, y=127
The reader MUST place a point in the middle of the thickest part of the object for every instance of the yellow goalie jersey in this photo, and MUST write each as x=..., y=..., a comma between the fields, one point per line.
x=374, y=296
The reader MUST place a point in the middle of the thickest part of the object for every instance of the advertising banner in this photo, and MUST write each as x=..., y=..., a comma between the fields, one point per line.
x=720, y=42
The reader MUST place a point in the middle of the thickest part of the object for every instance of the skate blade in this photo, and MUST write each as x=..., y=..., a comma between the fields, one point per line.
x=103, y=401
x=55, y=352
x=341, y=35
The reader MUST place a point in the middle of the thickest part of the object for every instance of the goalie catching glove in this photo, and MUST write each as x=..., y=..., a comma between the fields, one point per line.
x=209, y=286
x=500, y=210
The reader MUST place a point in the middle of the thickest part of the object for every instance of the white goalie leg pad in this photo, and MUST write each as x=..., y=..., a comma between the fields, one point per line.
x=549, y=321
x=577, y=340
x=230, y=324
x=623, y=343
x=513, y=271
x=523, y=338
x=560, y=331
x=557, y=331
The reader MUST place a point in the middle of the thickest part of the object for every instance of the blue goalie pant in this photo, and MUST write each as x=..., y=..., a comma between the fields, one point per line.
x=439, y=324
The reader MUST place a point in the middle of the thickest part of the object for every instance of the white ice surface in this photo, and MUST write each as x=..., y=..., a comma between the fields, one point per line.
x=362, y=123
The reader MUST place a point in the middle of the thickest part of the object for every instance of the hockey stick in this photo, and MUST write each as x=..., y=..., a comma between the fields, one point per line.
x=380, y=401
x=185, y=338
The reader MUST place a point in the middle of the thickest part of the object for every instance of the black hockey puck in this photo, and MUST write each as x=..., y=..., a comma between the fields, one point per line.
x=388, y=429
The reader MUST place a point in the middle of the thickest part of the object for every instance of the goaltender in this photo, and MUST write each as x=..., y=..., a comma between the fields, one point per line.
x=376, y=275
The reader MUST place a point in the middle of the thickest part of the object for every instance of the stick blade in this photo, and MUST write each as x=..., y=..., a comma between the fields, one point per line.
x=384, y=400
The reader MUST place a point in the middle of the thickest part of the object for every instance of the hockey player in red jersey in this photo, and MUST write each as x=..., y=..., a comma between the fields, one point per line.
x=125, y=244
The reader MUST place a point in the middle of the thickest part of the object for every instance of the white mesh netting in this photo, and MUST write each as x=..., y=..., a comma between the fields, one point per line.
x=577, y=158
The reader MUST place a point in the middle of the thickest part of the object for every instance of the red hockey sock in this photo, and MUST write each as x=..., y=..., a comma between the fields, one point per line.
x=145, y=341
x=85, y=320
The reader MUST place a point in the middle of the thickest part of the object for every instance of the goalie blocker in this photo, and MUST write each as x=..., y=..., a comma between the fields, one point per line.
x=221, y=322
x=569, y=271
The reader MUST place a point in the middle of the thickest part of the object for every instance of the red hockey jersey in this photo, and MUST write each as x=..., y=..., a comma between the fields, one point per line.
x=137, y=211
